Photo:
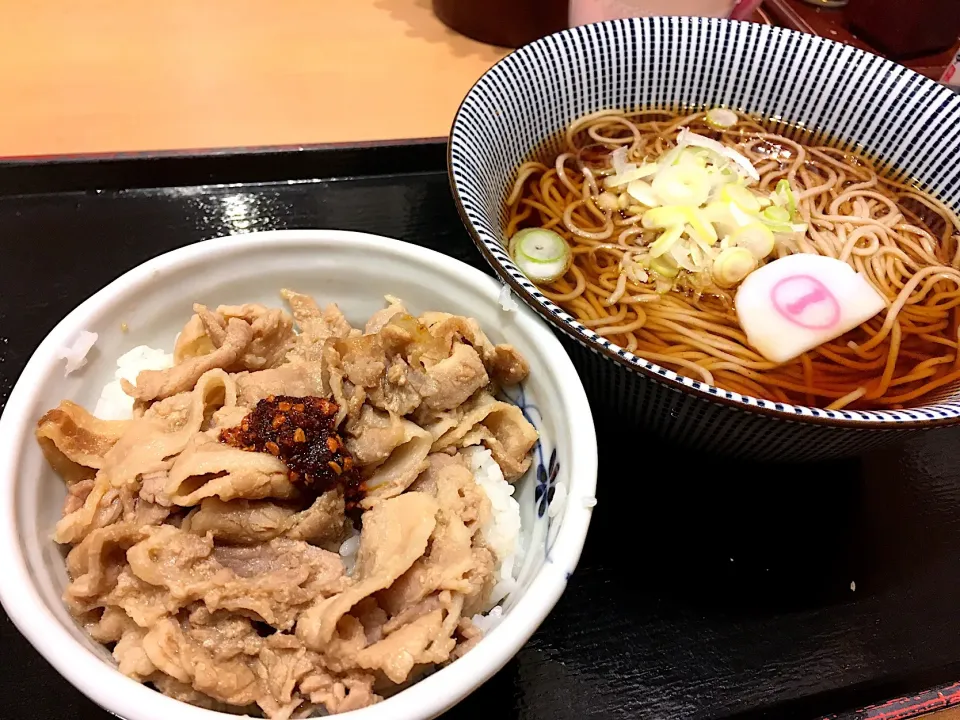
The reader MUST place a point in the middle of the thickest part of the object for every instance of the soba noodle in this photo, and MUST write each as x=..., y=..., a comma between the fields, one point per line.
x=904, y=242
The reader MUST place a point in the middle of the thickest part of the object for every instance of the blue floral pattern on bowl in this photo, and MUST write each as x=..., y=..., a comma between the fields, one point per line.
x=545, y=467
x=546, y=482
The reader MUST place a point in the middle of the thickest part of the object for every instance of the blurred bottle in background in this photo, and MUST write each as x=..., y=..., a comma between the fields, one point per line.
x=508, y=23
x=590, y=11
x=512, y=23
x=828, y=3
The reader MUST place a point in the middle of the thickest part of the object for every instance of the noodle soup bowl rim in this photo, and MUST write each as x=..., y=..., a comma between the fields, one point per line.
x=910, y=418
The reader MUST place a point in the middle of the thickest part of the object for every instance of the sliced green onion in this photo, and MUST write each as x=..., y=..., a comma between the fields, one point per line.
x=777, y=214
x=741, y=197
x=642, y=192
x=755, y=237
x=733, y=265
x=700, y=228
x=542, y=255
x=689, y=138
x=687, y=217
x=785, y=193
x=663, y=267
x=777, y=218
x=630, y=174
x=721, y=172
x=694, y=157
x=721, y=118
x=739, y=216
x=718, y=214
x=680, y=253
x=618, y=159
x=665, y=216
x=625, y=172
x=682, y=185
x=666, y=241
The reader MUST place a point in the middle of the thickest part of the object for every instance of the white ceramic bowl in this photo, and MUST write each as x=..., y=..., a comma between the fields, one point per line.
x=843, y=95
x=355, y=270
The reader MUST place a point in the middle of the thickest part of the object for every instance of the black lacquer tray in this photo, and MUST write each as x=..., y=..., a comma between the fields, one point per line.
x=707, y=589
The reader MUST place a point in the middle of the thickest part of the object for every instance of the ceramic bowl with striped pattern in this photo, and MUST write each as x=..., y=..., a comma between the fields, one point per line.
x=838, y=94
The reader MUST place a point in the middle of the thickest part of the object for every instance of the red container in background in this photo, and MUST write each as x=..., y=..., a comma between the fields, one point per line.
x=951, y=74
x=902, y=28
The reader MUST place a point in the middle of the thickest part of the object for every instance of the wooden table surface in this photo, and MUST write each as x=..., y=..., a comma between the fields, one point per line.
x=114, y=75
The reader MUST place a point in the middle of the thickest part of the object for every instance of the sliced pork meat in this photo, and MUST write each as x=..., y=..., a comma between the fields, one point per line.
x=316, y=326
x=187, y=661
x=213, y=538
x=273, y=335
x=107, y=625
x=381, y=318
x=95, y=563
x=144, y=603
x=469, y=635
x=160, y=384
x=406, y=461
x=394, y=535
x=375, y=435
x=274, y=588
x=207, y=468
x=448, y=479
x=185, y=692
x=500, y=427
x=401, y=388
x=453, y=561
x=132, y=659
x=75, y=442
x=337, y=694
x=396, y=655
x=363, y=360
x=280, y=666
x=253, y=522
x=225, y=635
x=324, y=523
x=451, y=329
x=424, y=641
x=504, y=364
x=77, y=493
x=146, y=446
x=239, y=522
x=507, y=366
x=322, y=377
x=193, y=341
x=299, y=379
x=455, y=379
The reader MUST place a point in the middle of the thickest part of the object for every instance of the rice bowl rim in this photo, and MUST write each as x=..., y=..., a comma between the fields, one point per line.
x=427, y=698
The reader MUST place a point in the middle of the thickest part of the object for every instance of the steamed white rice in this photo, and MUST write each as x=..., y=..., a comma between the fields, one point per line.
x=76, y=353
x=507, y=303
x=114, y=403
x=501, y=532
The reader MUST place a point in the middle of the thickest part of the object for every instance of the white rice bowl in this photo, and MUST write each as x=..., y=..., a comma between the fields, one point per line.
x=148, y=306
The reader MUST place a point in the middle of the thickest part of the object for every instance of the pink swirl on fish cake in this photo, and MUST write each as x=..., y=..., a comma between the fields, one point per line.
x=806, y=302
